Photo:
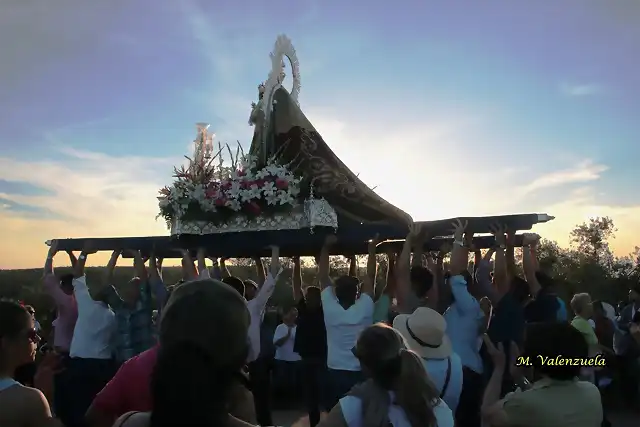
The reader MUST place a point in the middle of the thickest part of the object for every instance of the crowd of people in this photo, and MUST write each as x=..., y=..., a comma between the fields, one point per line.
x=436, y=344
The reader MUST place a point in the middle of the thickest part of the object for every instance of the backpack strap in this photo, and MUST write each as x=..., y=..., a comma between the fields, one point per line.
x=447, y=378
x=124, y=418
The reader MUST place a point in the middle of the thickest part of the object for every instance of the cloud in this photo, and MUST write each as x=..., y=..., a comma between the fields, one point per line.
x=585, y=171
x=580, y=90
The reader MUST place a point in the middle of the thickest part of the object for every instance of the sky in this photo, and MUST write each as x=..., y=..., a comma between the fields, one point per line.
x=446, y=108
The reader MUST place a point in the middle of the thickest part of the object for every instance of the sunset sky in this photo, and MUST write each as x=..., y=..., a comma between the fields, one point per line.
x=447, y=108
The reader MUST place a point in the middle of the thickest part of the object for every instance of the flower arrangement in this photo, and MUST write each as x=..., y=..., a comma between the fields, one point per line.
x=204, y=191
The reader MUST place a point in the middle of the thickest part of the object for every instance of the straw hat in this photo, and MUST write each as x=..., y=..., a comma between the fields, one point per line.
x=425, y=333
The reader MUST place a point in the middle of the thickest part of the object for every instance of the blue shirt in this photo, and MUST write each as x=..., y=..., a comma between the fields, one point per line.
x=437, y=370
x=464, y=318
x=562, y=311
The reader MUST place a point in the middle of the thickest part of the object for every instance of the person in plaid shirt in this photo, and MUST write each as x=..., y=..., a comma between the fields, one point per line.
x=133, y=305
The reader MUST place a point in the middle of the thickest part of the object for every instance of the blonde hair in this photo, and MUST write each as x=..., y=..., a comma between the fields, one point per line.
x=579, y=302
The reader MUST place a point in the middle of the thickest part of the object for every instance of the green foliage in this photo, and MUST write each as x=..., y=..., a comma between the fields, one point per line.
x=587, y=266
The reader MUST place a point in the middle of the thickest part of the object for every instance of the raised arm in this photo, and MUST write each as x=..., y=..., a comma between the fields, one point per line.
x=138, y=265
x=215, y=270
x=156, y=284
x=107, y=289
x=403, y=267
x=483, y=278
x=510, y=257
x=445, y=297
x=418, y=250
x=266, y=290
x=224, y=271
x=323, y=261
x=297, y=279
x=464, y=302
x=262, y=276
x=189, y=271
x=50, y=281
x=353, y=266
x=72, y=259
x=529, y=263
x=501, y=277
x=78, y=270
x=203, y=271
x=389, y=287
x=372, y=268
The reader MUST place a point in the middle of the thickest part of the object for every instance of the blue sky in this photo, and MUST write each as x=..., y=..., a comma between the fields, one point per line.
x=447, y=108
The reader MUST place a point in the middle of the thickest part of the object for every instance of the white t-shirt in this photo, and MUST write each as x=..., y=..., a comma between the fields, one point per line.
x=285, y=351
x=352, y=412
x=344, y=328
x=96, y=324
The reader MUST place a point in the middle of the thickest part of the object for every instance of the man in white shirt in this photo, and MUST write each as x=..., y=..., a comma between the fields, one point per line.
x=348, y=309
x=91, y=363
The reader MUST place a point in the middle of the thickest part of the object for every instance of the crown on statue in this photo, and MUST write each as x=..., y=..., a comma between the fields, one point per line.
x=261, y=88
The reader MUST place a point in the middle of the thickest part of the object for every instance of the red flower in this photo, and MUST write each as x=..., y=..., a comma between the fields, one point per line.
x=226, y=185
x=221, y=201
x=241, y=173
x=245, y=184
x=211, y=193
x=254, y=208
x=282, y=184
x=259, y=183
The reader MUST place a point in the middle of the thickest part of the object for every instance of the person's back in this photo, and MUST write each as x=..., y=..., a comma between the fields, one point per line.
x=554, y=403
x=351, y=407
x=20, y=406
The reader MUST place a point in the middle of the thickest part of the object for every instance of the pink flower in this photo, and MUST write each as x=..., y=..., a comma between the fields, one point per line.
x=241, y=173
x=221, y=201
x=282, y=184
x=211, y=193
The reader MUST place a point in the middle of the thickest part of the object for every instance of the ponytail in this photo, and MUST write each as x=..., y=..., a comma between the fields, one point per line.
x=415, y=393
x=188, y=388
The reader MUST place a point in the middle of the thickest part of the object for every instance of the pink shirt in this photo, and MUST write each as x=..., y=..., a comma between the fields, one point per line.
x=67, y=312
x=129, y=390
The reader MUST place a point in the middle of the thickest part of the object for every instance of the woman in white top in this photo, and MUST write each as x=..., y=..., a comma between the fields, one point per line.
x=19, y=405
x=398, y=391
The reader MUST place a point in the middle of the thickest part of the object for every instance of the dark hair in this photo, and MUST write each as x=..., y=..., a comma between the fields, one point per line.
x=13, y=319
x=346, y=288
x=310, y=290
x=383, y=352
x=597, y=305
x=235, y=283
x=66, y=279
x=519, y=289
x=544, y=280
x=250, y=284
x=187, y=388
x=421, y=281
x=548, y=340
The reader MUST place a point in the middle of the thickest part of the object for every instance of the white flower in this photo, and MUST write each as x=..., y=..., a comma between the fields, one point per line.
x=233, y=204
x=284, y=197
x=234, y=191
x=208, y=205
x=197, y=193
x=250, y=193
x=268, y=189
x=272, y=199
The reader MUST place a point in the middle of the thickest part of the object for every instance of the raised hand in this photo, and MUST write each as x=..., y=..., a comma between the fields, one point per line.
x=468, y=241
x=530, y=239
x=415, y=230
x=53, y=248
x=497, y=355
x=89, y=248
x=275, y=260
x=498, y=232
x=458, y=228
